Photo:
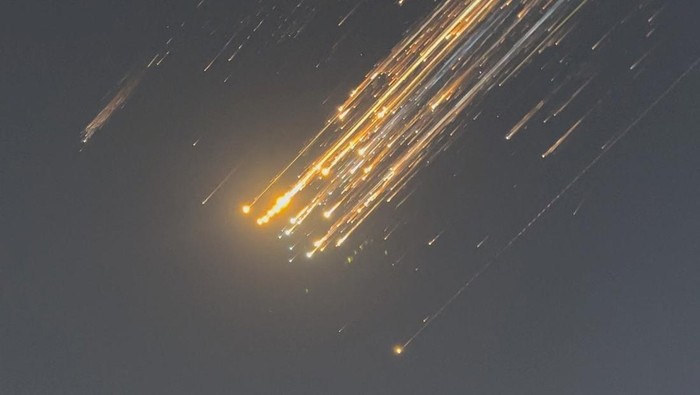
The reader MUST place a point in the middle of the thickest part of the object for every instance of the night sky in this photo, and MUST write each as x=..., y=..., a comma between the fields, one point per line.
x=127, y=266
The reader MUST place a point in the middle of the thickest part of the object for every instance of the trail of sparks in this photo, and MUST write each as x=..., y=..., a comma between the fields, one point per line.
x=604, y=150
x=404, y=112
x=128, y=85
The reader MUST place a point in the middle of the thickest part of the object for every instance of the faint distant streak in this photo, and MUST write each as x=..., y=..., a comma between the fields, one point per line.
x=126, y=89
x=604, y=150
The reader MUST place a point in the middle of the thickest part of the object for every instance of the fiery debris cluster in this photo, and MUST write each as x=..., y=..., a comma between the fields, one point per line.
x=407, y=110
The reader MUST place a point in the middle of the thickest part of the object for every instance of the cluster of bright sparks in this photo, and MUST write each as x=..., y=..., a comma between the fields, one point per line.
x=407, y=110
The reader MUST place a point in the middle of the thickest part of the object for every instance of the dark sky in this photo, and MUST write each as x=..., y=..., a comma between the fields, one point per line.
x=114, y=278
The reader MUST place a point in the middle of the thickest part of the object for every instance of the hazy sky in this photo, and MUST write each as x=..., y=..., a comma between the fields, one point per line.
x=115, y=278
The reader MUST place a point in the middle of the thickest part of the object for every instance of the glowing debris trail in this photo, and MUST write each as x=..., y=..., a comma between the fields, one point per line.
x=566, y=135
x=220, y=52
x=349, y=14
x=604, y=150
x=128, y=85
x=405, y=111
x=233, y=170
x=579, y=205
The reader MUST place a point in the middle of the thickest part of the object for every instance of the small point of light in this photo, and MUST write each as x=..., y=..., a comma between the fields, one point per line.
x=398, y=350
x=325, y=172
x=245, y=209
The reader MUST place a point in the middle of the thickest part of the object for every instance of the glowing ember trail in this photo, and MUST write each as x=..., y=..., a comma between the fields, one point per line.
x=406, y=110
x=128, y=85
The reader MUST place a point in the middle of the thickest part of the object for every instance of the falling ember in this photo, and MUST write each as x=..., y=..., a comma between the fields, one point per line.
x=128, y=85
x=221, y=184
x=408, y=107
x=434, y=239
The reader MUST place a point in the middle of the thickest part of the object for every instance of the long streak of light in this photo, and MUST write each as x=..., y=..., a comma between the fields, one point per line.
x=604, y=150
x=221, y=184
x=219, y=53
x=349, y=14
x=566, y=135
